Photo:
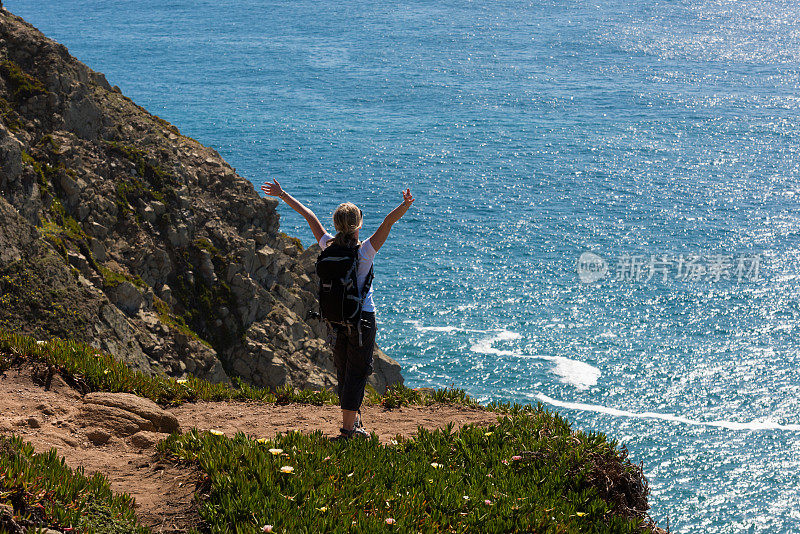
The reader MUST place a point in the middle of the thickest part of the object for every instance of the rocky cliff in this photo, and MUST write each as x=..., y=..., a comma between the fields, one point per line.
x=117, y=230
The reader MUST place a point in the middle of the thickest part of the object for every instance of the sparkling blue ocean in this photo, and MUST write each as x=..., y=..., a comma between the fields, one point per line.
x=662, y=136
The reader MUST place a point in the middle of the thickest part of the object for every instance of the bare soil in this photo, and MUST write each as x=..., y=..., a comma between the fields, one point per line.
x=164, y=492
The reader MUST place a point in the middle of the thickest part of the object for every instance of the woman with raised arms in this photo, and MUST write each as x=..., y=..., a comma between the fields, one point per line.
x=352, y=347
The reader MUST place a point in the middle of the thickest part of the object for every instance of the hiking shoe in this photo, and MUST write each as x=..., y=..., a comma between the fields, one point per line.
x=343, y=436
x=358, y=424
x=350, y=434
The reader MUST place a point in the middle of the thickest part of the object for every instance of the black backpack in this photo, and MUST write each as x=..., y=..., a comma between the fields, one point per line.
x=340, y=301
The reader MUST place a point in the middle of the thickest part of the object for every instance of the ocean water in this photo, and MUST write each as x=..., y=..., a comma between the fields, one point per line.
x=530, y=134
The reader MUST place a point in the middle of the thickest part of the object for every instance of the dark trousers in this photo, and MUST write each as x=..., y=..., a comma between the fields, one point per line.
x=353, y=361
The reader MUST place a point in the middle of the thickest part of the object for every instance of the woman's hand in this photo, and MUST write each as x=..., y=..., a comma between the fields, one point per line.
x=273, y=189
x=408, y=199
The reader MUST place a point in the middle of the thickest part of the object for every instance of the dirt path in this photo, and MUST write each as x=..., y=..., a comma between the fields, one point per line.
x=164, y=492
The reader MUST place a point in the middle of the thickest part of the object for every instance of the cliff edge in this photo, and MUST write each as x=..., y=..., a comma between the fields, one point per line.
x=120, y=232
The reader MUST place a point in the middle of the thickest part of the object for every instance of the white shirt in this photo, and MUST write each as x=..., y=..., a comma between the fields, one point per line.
x=366, y=254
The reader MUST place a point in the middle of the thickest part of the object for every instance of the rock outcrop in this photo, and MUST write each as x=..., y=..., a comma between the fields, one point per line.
x=117, y=230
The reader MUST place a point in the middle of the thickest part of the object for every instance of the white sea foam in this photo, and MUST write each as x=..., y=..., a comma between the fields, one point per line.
x=579, y=374
x=486, y=345
x=418, y=326
x=720, y=423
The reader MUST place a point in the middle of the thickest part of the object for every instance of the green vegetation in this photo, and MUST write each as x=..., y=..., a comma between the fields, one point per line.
x=177, y=322
x=20, y=84
x=60, y=227
x=205, y=244
x=44, y=172
x=87, y=369
x=399, y=395
x=49, y=144
x=200, y=301
x=60, y=224
x=27, y=299
x=169, y=126
x=158, y=178
x=294, y=240
x=90, y=370
x=44, y=491
x=113, y=278
x=9, y=116
x=528, y=473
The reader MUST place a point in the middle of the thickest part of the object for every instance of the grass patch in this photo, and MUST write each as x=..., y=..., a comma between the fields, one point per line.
x=44, y=172
x=49, y=144
x=177, y=322
x=169, y=126
x=112, y=279
x=204, y=244
x=9, y=116
x=293, y=240
x=44, y=492
x=20, y=84
x=528, y=473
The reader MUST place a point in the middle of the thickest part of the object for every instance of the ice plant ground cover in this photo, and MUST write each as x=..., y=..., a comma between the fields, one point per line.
x=528, y=473
x=43, y=490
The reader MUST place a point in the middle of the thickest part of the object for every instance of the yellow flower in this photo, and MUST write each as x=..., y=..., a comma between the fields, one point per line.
x=323, y=509
x=288, y=469
x=181, y=381
x=262, y=440
x=580, y=514
x=487, y=434
x=217, y=432
x=106, y=371
x=275, y=452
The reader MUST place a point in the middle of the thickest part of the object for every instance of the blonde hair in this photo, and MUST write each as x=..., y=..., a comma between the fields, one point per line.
x=347, y=220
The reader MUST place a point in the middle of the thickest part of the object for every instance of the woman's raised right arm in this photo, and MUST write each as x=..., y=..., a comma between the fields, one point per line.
x=379, y=237
x=274, y=189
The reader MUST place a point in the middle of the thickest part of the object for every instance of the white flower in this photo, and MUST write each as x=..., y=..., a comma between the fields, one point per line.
x=288, y=469
x=275, y=452
x=436, y=466
x=217, y=432
x=267, y=528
